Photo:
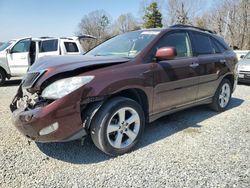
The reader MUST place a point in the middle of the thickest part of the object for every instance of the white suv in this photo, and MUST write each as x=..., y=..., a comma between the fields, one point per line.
x=17, y=55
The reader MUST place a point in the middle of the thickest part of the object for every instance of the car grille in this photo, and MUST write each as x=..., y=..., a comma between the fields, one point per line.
x=30, y=79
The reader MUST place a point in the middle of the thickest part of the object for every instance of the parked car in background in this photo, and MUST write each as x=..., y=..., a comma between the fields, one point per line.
x=127, y=81
x=17, y=55
x=6, y=45
x=244, y=69
x=241, y=53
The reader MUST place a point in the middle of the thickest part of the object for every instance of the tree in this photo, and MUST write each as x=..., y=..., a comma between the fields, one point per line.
x=182, y=11
x=152, y=17
x=231, y=20
x=97, y=24
x=125, y=23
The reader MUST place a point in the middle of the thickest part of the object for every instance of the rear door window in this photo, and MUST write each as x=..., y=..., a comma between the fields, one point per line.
x=49, y=45
x=203, y=44
x=71, y=47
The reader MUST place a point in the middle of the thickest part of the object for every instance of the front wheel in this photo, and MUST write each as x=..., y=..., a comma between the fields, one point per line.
x=222, y=96
x=118, y=126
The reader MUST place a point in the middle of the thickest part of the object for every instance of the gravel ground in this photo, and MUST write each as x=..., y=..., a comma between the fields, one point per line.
x=192, y=148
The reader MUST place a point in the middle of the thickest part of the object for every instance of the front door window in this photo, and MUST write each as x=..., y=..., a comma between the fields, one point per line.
x=22, y=46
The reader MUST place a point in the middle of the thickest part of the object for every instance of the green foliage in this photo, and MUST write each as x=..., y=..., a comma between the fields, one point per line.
x=153, y=16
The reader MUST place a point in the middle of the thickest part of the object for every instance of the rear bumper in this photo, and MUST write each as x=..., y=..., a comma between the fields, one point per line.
x=65, y=112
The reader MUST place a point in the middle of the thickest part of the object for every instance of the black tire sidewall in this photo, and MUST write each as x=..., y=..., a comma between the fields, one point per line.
x=2, y=73
x=102, y=118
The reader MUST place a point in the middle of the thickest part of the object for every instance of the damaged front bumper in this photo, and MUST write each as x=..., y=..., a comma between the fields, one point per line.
x=55, y=121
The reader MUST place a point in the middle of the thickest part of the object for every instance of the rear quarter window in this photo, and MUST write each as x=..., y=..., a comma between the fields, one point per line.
x=71, y=47
x=222, y=42
x=218, y=47
x=48, y=45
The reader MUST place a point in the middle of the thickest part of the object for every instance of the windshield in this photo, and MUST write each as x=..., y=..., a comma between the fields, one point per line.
x=247, y=56
x=6, y=44
x=125, y=45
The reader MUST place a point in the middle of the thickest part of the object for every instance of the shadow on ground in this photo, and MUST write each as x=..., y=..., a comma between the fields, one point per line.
x=12, y=83
x=74, y=152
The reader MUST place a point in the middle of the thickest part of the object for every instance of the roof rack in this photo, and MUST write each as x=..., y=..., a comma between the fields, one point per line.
x=190, y=26
x=68, y=38
x=45, y=37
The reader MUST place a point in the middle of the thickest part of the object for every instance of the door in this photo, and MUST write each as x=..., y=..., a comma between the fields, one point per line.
x=211, y=62
x=176, y=81
x=18, y=57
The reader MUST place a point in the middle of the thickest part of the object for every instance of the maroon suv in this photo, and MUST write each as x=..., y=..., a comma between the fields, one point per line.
x=122, y=84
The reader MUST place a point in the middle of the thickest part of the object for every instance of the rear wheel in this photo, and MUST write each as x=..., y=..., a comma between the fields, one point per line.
x=2, y=77
x=118, y=126
x=222, y=96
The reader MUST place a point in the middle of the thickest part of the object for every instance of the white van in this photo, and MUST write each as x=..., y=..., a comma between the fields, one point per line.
x=17, y=55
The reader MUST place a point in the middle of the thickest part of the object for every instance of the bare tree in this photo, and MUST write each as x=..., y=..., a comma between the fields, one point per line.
x=97, y=24
x=125, y=23
x=183, y=11
x=231, y=19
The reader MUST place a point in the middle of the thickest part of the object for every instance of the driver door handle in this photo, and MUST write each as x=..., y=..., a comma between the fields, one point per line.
x=194, y=65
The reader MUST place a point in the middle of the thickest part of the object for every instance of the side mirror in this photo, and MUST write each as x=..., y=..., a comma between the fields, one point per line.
x=242, y=56
x=166, y=53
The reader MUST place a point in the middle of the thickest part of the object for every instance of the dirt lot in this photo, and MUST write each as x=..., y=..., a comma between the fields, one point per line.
x=192, y=148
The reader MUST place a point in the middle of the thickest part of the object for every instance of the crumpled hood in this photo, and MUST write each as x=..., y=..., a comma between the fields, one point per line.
x=72, y=62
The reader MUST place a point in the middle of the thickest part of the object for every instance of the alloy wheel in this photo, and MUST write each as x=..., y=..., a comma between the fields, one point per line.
x=224, y=95
x=123, y=127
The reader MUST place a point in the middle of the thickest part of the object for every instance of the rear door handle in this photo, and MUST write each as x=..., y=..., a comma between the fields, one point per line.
x=194, y=65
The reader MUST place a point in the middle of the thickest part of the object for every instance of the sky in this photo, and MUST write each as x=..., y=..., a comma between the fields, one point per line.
x=21, y=18
x=35, y=18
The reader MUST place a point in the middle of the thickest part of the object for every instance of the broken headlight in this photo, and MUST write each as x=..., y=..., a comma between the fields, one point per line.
x=60, y=88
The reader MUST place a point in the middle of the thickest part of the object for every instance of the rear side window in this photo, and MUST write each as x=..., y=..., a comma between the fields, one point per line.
x=49, y=45
x=202, y=44
x=71, y=47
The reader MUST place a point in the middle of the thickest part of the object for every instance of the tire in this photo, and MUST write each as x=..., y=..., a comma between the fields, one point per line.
x=2, y=77
x=222, y=96
x=122, y=137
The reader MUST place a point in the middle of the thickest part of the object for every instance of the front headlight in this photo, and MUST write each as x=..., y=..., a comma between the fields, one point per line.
x=63, y=87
